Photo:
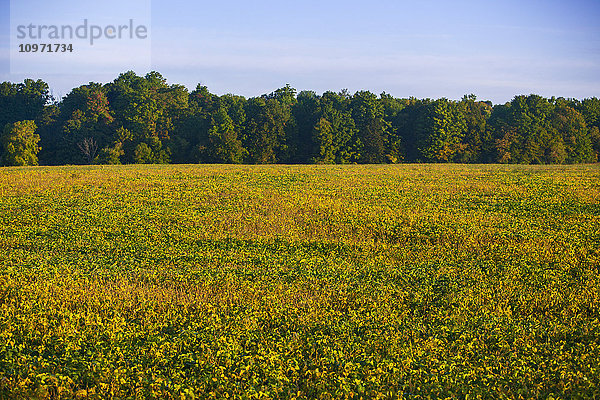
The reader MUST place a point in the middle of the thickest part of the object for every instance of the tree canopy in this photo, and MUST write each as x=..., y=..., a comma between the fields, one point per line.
x=20, y=143
x=143, y=119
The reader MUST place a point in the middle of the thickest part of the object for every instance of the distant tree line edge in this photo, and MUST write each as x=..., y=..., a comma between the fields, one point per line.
x=142, y=119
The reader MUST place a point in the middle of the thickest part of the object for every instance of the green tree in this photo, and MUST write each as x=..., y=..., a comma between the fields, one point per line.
x=148, y=108
x=110, y=154
x=20, y=143
x=306, y=115
x=372, y=129
x=571, y=125
x=336, y=109
x=323, y=136
x=525, y=131
x=499, y=136
x=49, y=129
x=279, y=105
x=270, y=127
x=536, y=140
x=31, y=100
x=475, y=114
x=143, y=154
x=392, y=108
x=590, y=110
x=595, y=140
x=411, y=124
x=191, y=140
x=441, y=131
x=23, y=101
x=224, y=145
x=86, y=118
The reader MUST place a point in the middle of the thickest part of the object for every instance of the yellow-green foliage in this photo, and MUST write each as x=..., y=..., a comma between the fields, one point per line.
x=409, y=281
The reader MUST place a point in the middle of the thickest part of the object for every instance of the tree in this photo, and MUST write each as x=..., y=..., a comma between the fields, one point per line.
x=269, y=126
x=49, y=129
x=499, y=136
x=372, y=129
x=23, y=101
x=191, y=140
x=306, y=115
x=149, y=109
x=526, y=131
x=392, y=108
x=224, y=145
x=143, y=154
x=323, y=136
x=144, y=119
x=89, y=149
x=279, y=119
x=590, y=110
x=537, y=140
x=110, y=155
x=475, y=114
x=571, y=125
x=440, y=131
x=336, y=109
x=409, y=123
x=30, y=100
x=86, y=119
x=20, y=143
x=595, y=139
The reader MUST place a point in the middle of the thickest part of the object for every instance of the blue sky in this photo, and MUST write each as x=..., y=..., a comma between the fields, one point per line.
x=425, y=48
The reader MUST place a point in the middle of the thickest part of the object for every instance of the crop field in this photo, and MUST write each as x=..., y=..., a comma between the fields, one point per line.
x=409, y=281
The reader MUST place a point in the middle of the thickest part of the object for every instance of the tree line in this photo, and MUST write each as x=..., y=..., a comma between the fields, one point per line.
x=142, y=119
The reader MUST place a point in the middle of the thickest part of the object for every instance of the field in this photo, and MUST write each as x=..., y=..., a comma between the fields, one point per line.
x=411, y=281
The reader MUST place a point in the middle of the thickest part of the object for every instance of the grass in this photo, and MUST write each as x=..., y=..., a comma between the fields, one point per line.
x=408, y=281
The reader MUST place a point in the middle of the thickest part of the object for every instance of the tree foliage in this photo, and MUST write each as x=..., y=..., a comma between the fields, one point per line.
x=143, y=119
x=20, y=143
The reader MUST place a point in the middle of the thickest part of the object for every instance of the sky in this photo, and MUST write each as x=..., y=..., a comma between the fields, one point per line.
x=425, y=49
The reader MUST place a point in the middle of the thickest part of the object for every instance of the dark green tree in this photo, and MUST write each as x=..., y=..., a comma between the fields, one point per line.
x=144, y=119
x=372, y=129
x=270, y=128
x=336, y=109
x=223, y=143
x=475, y=115
x=411, y=124
x=571, y=126
x=86, y=124
x=306, y=115
x=191, y=141
x=23, y=101
x=590, y=110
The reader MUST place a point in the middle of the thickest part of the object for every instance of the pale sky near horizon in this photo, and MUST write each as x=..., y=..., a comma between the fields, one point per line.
x=425, y=49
